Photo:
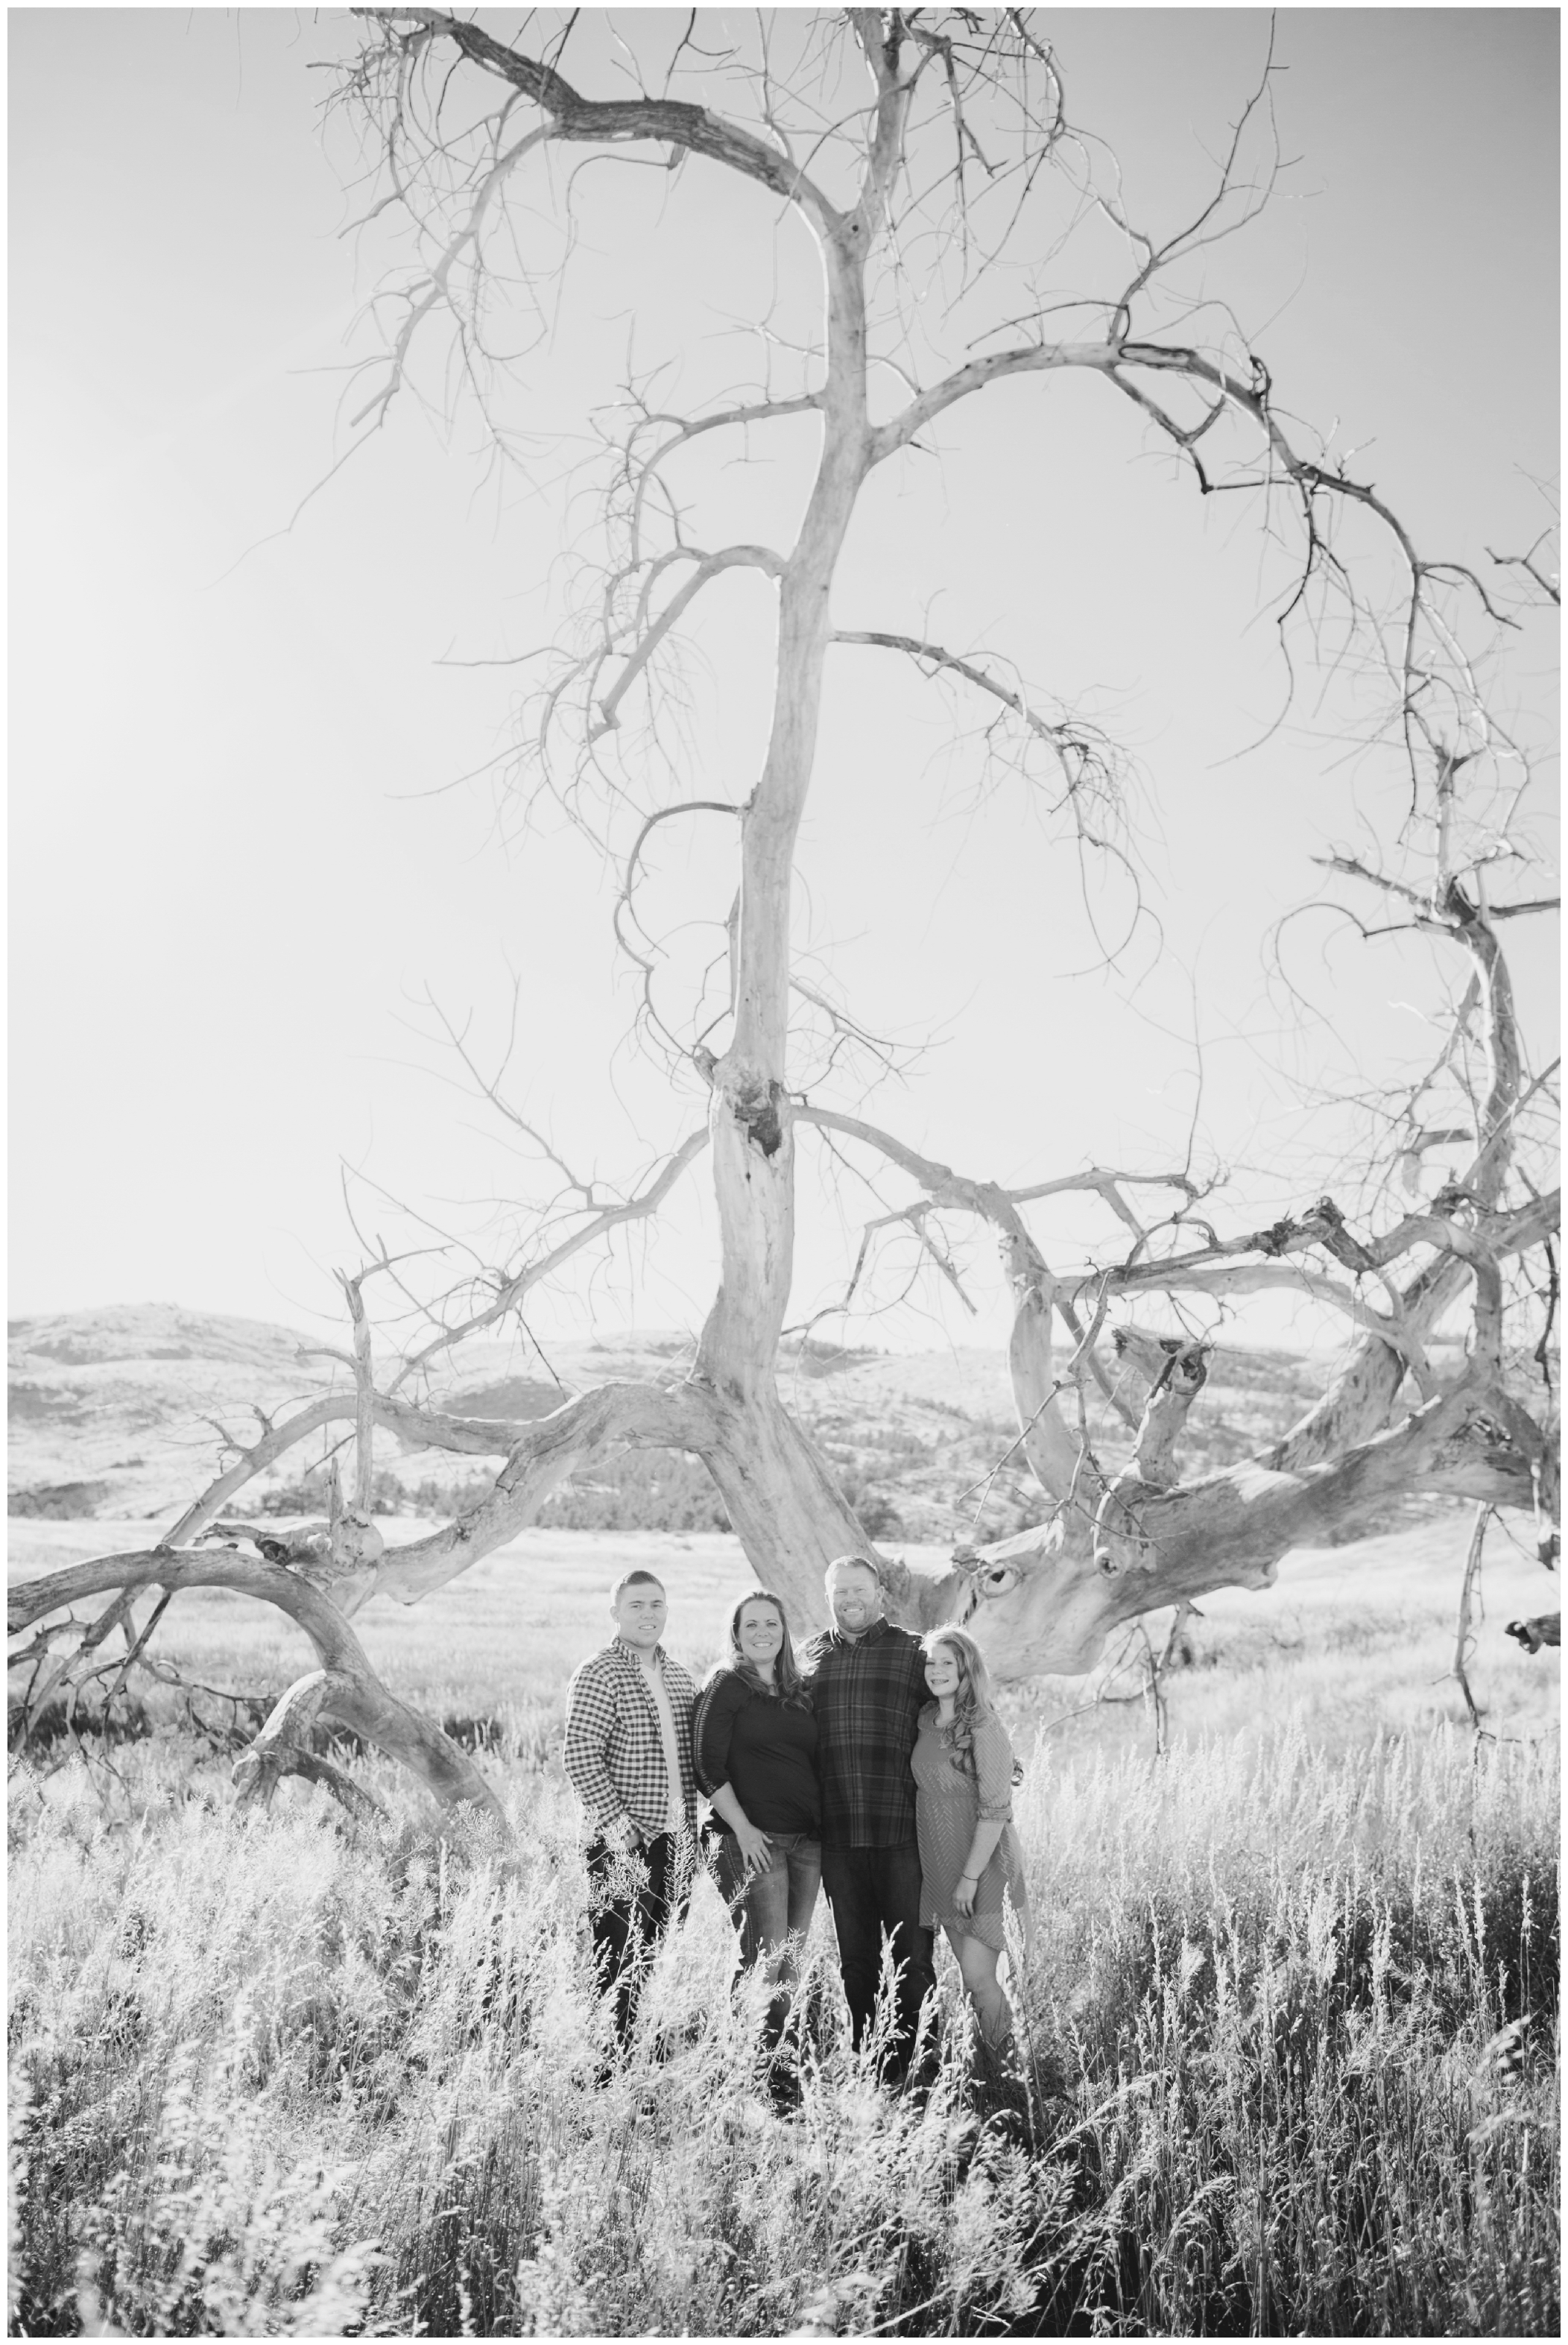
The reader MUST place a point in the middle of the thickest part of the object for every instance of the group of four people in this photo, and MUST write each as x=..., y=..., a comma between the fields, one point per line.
x=873, y=1768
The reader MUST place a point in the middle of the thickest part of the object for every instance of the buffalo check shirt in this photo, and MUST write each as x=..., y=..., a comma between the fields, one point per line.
x=615, y=1746
x=867, y=1692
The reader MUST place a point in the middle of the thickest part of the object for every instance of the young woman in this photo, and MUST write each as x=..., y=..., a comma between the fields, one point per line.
x=755, y=1743
x=969, y=1854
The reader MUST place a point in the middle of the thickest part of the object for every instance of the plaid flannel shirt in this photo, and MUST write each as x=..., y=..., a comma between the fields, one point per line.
x=867, y=1692
x=614, y=1750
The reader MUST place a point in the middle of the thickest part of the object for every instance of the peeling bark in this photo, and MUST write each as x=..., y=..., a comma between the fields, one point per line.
x=1058, y=1460
x=787, y=1510
x=754, y=1182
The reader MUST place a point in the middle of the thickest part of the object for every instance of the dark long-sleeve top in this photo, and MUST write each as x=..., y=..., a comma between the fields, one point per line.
x=867, y=1692
x=763, y=1748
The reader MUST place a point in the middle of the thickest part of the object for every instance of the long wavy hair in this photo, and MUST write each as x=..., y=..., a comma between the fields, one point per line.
x=973, y=1699
x=787, y=1669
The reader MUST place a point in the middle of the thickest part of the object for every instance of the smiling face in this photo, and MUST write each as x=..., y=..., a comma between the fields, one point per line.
x=854, y=1593
x=760, y=1634
x=944, y=1671
x=639, y=1613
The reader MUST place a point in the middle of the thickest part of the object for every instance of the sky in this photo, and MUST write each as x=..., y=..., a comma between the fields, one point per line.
x=244, y=858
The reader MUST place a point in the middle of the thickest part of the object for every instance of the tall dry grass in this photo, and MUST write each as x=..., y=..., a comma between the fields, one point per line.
x=1290, y=2042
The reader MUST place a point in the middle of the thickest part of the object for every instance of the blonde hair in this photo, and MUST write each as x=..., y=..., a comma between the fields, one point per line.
x=973, y=1699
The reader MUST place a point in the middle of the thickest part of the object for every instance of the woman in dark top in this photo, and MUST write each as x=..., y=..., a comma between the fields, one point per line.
x=754, y=1741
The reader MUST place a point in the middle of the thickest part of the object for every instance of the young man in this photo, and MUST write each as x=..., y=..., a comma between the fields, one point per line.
x=867, y=1681
x=629, y=1760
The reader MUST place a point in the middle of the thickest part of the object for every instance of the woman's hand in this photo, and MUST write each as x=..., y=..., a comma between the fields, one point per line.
x=756, y=1848
x=964, y=1895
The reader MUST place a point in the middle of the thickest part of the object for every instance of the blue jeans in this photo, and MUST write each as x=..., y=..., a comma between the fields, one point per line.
x=875, y=1892
x=773, y=1910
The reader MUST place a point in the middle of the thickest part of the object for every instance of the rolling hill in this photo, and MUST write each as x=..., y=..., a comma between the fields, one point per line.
x=123, y=1412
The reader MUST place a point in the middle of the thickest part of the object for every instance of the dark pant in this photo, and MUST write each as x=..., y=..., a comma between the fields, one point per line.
x=875, y=1894
x=632, y=1900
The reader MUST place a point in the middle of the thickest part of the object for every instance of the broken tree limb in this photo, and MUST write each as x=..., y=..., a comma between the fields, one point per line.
x=339, y=1557
x=357, y=1697
x=1046, y=1599
x=540, y=1458
x=282, y=1748
x=1463, y=1641
x=1177, y=1370
x=475, y=1436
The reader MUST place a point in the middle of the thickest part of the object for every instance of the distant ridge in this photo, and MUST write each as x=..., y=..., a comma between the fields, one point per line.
x=115, y=1413
x=108, y=1407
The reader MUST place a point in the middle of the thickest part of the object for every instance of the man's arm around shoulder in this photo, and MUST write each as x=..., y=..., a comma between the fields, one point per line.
x=816, y=1650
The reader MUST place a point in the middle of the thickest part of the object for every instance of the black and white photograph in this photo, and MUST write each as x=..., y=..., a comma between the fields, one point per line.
x=785, y=1270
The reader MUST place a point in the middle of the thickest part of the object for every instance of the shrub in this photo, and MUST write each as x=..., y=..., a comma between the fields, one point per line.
x=58, y=1501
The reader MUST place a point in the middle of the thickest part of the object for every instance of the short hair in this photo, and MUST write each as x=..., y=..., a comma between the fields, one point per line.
x=853, y=1562
x=635, y=1580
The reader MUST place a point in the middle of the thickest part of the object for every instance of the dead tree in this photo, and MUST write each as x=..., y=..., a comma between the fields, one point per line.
x=879, y=137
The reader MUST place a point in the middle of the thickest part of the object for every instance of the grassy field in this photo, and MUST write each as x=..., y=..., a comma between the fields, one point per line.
x=1356, y=1638
x=1291, y=2027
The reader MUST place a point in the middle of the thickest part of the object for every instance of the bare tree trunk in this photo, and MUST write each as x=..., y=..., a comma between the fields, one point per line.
x=787, y=1510
x=751, y=1122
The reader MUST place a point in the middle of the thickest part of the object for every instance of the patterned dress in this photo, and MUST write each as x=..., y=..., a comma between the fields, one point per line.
x=949, y=1802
